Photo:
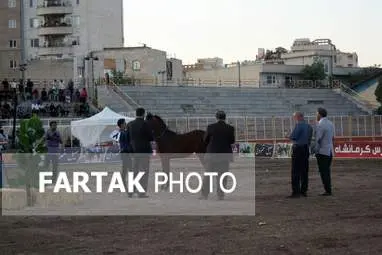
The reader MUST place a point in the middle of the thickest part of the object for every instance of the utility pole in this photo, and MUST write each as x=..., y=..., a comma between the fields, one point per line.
x=238, y=67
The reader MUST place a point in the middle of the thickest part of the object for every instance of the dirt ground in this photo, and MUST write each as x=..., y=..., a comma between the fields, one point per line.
x=350, y=222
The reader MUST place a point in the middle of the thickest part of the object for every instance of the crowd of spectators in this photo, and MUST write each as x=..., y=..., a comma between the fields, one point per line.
x=57, y=100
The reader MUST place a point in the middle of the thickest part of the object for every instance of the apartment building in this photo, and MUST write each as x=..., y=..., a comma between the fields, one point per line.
x=304, y=52
x=10, y=39
x=67, y=31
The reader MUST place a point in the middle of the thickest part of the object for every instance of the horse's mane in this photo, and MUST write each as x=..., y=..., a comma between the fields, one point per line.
x=162, y=122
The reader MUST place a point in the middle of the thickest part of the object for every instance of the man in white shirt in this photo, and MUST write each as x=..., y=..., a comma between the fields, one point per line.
x=324, y=141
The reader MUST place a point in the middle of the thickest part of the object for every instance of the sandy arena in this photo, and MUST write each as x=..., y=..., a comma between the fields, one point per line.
x=350, y=222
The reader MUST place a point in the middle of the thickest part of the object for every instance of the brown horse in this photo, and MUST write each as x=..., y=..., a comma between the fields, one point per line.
x=171, y=145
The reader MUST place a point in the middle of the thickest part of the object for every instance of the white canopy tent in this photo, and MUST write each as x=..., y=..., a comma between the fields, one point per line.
x=89, y=130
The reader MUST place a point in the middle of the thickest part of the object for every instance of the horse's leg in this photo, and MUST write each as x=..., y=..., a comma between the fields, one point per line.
x=202, y=160
x=166, y=170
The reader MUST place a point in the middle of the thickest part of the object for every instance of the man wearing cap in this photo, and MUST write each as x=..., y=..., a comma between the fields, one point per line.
x=219, y=138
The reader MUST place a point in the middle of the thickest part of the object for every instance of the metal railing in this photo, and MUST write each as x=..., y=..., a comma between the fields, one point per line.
x=123, y=95
x=358, y=99
x=255, y=128
x=235, y=83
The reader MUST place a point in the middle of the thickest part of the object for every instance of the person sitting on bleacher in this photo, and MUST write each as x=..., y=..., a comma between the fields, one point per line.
x=53, y=110
x=44, y=95
x=5, y=84
x=35, y=94
x=29, y=86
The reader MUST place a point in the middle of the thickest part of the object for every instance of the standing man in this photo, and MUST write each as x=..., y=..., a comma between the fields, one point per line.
x=301, y=138
x=3, y=143
x=140, y=139
x=53, y=142
x=219, y=138
x=324, y=148
x=125, y=150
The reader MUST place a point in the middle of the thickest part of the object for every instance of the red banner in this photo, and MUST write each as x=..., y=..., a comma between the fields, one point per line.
x=358, y=149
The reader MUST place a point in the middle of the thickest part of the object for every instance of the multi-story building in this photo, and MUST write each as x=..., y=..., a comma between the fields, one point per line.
x=67, y=31
x=305, y=52
x=10, y=39
x=205, y=64
x=144, y=65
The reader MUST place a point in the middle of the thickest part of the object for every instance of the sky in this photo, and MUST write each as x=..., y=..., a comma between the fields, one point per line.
x=235, y=29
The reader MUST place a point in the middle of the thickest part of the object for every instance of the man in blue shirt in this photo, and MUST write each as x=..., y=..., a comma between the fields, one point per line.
x=53, y=142
x=125, y=149
x=301, y=138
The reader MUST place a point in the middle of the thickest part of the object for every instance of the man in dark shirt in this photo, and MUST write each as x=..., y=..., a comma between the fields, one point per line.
x=219, y=139
x=140, y=138
x=53, y=141
x=125, y=150
x=301, y=138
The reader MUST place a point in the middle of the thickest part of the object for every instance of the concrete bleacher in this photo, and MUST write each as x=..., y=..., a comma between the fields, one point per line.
x=201, y=101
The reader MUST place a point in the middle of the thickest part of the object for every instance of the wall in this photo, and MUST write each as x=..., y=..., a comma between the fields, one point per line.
x=151, y=62
x=49, y=70
x=30, y=32
x=249, y=73
x=177, y=70
x=6, y=34
x=101, y=25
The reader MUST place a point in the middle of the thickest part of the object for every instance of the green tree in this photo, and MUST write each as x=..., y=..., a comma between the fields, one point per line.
x=118, y=77
x=31, y=147
x=314, y=72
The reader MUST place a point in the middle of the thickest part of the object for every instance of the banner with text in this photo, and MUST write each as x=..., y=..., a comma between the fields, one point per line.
x=358, y=150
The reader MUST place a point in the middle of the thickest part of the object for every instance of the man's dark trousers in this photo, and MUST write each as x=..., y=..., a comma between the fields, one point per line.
x=126, y=166
x=52, y=157
x=219, y=167
x=300, y=169
x=141, y=163
x=324, y=162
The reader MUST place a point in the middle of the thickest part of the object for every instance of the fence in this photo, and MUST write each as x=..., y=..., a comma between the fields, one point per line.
x=257, y=128
x=232, y=83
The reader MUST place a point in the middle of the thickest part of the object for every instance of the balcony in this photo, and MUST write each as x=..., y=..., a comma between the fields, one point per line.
x=55, y=30
x=55, y=50
x=56, y=7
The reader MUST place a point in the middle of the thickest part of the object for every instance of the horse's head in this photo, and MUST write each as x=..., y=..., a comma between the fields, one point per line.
x=156, y=124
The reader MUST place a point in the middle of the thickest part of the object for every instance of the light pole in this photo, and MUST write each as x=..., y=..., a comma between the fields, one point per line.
x=92, y=59
x=15, y=102
x=239, y=71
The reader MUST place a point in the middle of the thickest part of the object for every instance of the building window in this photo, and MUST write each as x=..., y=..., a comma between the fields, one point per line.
x=32, y=3
x=271, y=79
x=136, y=65
x=76, y=41
x=78, y=2
x=12, y=3
x=76, y=21
x=12, y=44
x=34, y=22
x=12, y=64
x=11, y=23
x=35, y=43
